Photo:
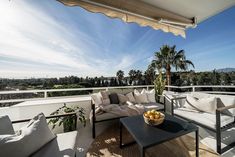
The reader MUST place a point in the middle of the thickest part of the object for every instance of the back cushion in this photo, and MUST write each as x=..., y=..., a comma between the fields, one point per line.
x=140, y=97
x=122, y=99
x=203, y=104
x=150, y=95
x=114, y=98
x=27, y=140
x=6, y=126
x=96, y=99
x=131, y=97
x=105, y=97
x=200, y=95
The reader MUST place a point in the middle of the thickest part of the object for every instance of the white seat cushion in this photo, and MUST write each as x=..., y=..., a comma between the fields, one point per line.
x=105, y=116
x=204, y=118
x=63, y=146
x=153, y=106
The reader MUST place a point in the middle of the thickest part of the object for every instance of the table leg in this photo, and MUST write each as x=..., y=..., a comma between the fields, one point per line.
x=120, y=125
x=142, y=152
x=197, y=143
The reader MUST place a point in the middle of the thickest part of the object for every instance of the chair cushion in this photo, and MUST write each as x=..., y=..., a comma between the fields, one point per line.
x=122, y=99
x=152, y=105
x=114, y=98
x=64, y=145
x=105, y=97
x=203, y=104
x=140, y=97
x=105, y=116
x=28, y=139
x=204, y=118
x=6, y=126
x=96, y=99
x=222, y=100
x=131, y=97
x=150, y=95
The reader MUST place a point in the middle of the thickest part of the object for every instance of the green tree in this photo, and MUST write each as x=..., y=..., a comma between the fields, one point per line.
x=168, y=57
x=138, y=77
x=149, y=75
x=132, y=75
x=120, y=76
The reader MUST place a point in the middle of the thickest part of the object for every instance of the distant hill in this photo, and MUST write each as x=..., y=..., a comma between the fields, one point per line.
x=226, y=70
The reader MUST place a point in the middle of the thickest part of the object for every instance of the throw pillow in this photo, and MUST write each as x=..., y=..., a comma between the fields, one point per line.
x=6, y=126
x=122, y=99
x=105, y=97
x=150, y=95
x=131, y=97
x=96, y=99
x=28, y=139
x=114, y=98
x=140, y=97
x=204, y=104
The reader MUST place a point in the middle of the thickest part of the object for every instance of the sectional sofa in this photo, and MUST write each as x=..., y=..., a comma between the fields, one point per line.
x=144, y=98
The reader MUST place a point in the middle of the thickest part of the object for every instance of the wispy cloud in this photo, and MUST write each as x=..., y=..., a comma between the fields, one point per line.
x=30, y=36
x=44, y=38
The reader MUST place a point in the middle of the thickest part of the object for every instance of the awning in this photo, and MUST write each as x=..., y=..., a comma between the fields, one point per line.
x=170, y=16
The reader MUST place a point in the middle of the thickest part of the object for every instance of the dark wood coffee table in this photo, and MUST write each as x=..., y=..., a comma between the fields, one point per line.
x=147, y=136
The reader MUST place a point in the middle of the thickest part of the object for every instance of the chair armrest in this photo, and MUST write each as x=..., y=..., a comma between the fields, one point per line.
x=172, y=103
x=93, y=111
x=218, y=115
x=47, y=117
x=225, y=108
x=178, y=98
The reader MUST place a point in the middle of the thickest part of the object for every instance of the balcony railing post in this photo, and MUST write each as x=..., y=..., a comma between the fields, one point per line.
x=193, y=89
x=147, y=88
x=45, y=94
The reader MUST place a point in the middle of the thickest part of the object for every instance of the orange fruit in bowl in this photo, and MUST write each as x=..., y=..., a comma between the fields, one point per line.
x=151, y=117
x=157, y=116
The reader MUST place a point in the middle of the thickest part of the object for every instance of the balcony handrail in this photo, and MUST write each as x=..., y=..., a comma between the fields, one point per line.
x=45, y=91
x=71, y=89
x=112, y=87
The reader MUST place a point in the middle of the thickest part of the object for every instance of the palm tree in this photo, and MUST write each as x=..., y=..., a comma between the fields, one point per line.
x=167, y=58
x=120, y=76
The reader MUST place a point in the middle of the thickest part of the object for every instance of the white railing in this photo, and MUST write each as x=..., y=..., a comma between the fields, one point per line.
x=46, y=91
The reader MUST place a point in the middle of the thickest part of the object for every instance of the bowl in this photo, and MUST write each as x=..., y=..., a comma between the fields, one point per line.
x=155, y=121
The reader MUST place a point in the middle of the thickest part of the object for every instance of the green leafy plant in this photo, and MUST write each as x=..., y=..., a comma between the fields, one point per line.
x=69, y=122
x=159, y=85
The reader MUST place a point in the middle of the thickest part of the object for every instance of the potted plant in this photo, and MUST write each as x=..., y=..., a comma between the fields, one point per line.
x=159, y=85
x=69, y=122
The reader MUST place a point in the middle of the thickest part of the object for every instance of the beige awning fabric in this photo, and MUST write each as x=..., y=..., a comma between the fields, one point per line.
x=138, y=12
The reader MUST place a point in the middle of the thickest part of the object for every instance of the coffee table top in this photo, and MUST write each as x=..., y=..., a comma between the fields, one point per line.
x=147, y=136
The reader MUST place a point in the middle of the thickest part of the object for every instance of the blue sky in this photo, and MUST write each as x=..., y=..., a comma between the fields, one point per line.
x=46, y=39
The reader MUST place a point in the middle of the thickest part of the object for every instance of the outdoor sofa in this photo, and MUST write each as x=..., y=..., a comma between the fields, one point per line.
x=217, y=118
x=117, y=99
x=40, y=142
